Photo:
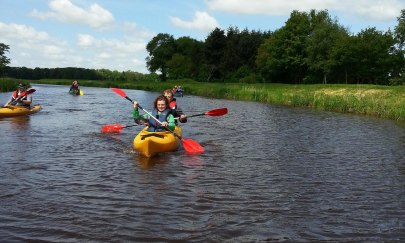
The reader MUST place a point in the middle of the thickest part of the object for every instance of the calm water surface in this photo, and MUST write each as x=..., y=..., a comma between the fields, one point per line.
x=268, y=174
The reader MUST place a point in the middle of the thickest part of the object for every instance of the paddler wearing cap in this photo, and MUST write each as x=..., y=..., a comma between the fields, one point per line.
x=19, y=97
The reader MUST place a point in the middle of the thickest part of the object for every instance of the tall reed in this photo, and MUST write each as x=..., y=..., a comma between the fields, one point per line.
x=7, y=85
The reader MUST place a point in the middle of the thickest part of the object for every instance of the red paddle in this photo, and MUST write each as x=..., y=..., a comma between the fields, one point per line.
x=215, y=112
x=189, y=145
x=114, y=128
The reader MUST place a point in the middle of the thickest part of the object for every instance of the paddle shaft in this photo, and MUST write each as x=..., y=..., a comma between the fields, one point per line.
x=177, y=118
x=215, y=112
x=130, y=126
x=202, y=114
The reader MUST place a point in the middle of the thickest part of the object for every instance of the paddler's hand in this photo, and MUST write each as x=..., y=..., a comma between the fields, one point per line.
x=183, y=118
x=164, y=124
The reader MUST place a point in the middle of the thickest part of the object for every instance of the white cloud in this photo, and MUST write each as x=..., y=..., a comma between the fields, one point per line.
x=368, y=9
x=105, y=52
x=134, y=32
x=32, y=48
x=112, y=45
x=201, y=21
x=376, y=10
x=65, y=11
x=28, y=44
x=8, y=32
x=85, y=40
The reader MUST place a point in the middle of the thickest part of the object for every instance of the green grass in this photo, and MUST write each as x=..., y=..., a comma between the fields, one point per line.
x=7, y=85
x=381, y=101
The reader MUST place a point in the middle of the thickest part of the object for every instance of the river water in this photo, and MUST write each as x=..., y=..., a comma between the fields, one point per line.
x=268, y=173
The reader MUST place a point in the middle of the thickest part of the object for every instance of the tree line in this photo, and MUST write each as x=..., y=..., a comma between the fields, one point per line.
x=310, y=48
x=75, y=73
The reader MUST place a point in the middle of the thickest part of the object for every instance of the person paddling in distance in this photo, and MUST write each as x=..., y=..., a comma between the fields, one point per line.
x=74, y=88
x=161, y=112
x=17, y=99
x=176, y=110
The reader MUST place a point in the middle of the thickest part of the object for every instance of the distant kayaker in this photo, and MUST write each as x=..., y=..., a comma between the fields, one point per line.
x=18, y=98
x=161, y=112
x=176, y=110
x=74, y=89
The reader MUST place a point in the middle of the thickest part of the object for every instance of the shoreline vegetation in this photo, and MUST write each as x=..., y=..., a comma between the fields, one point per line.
x=386, y=102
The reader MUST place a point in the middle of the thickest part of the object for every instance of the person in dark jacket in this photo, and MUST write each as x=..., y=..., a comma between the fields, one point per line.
x=176, y=110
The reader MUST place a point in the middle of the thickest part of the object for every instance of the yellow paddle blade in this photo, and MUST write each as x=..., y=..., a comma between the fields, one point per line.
x=81, y=92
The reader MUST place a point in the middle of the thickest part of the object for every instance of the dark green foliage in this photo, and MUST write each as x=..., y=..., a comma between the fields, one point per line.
x=3, y=59
x=161, y=49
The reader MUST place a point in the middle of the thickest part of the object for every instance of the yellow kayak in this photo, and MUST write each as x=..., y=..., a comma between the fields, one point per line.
x=73, y=93
x=151, y=143
x=11, y=110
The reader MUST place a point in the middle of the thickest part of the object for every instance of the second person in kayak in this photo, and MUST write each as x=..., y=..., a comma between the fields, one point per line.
x=161, y=112
x=176, y=110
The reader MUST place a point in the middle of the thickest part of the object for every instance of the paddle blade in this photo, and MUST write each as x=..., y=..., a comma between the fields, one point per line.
x=120, y=92
x=112, y=128
x=81, y=92
x=217, y=112
x=192, y=147
x=27, y=92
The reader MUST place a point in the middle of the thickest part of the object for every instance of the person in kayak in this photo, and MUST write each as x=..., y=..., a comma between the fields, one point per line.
x=176, y=110
x=74, y=89
x=17, y=99
x=161, y=112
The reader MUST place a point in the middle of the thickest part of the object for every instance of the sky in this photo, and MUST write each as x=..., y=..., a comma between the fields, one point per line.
x=113, y=34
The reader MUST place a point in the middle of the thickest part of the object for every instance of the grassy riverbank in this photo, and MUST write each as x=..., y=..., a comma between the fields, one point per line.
x=381, y=101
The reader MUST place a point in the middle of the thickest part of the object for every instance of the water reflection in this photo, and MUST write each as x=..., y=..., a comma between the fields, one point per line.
x=148, y=163
x=187, y=160
x=190, y=160
x=18, y=122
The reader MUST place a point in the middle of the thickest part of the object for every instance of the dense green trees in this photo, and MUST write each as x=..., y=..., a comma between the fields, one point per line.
x=221, y=57
x=310, y=48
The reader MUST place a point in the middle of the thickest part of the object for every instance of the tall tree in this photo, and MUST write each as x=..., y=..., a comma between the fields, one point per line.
x=398, y=70
x=343, y=61
x=400, y=30
x=161, y=49
x=282, y=57
x=373, y=54
x=323, y=37
x=187, y=59
x=214, y=53
x=4, y=61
